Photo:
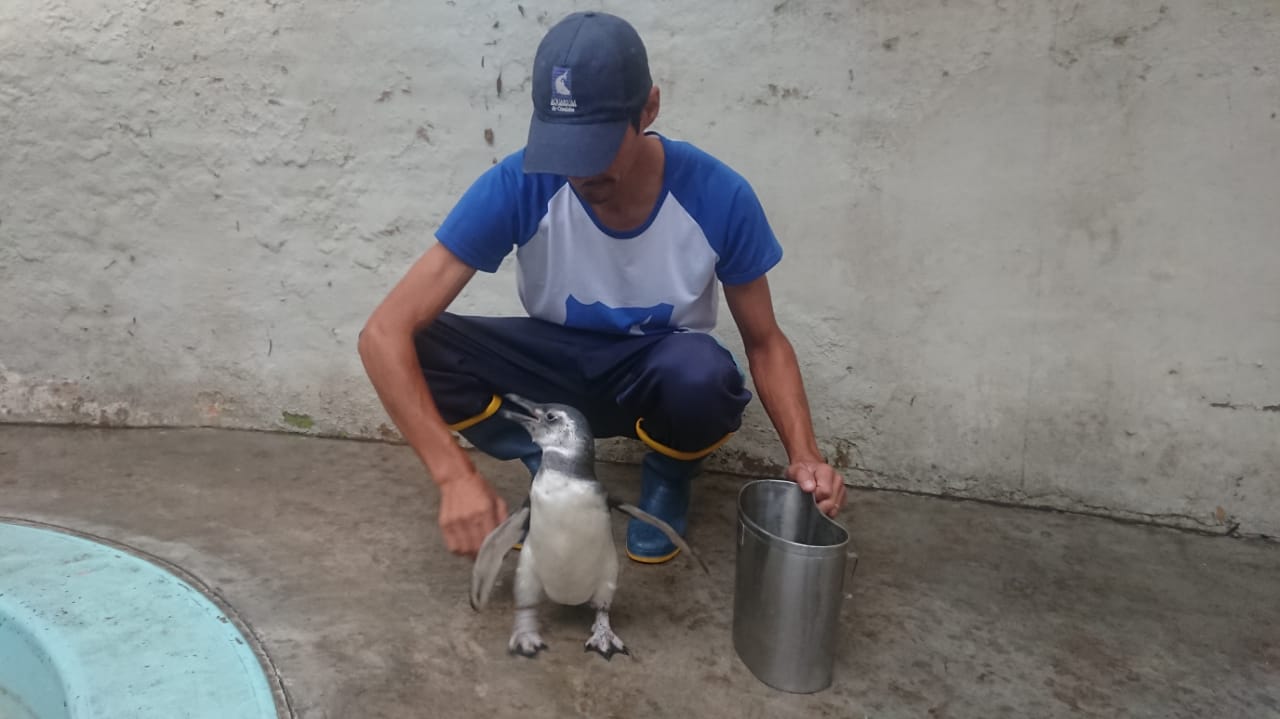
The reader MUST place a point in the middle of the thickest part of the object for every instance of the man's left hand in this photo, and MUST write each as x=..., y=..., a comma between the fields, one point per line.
x=822, y=481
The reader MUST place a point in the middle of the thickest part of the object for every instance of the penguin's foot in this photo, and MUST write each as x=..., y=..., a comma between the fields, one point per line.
x=525, y=639
x=526, y=644
x=603, y=641
x=606, y=644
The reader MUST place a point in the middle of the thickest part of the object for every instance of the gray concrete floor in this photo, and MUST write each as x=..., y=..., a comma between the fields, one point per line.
x=330, y=552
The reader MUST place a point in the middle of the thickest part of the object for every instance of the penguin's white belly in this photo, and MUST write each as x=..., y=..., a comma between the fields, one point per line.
x=570, y=539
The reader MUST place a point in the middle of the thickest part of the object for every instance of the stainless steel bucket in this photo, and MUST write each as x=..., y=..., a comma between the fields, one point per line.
x=789, y=586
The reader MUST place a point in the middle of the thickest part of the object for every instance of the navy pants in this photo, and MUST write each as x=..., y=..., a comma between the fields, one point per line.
x=686, y=388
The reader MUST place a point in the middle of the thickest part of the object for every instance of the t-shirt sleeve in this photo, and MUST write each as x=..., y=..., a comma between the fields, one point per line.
x=494, y=215
x=748, y=247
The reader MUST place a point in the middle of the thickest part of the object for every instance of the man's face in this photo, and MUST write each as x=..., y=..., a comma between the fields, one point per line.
x=601, y=188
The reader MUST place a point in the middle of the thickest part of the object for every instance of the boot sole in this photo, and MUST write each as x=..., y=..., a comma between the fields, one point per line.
x=653, y=560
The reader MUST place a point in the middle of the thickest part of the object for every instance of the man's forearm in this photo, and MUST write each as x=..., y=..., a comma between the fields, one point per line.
x=391, y=363
x=776, y=374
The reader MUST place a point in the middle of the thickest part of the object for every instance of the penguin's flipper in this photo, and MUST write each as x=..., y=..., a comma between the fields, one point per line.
x=666, y=529
x=484, y=573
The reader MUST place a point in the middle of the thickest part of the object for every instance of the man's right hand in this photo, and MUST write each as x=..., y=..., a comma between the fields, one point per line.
x=469, y=510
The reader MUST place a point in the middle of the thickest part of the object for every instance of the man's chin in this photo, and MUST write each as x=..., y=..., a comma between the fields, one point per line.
x=597, y=194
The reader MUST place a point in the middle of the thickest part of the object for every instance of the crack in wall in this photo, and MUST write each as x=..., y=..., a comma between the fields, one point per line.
x=1057, y=502
x=1254, y=407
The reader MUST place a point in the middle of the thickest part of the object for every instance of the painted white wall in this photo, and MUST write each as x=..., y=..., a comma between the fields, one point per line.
x=1032, y=247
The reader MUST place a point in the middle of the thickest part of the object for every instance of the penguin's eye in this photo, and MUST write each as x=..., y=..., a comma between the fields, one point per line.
x=554, y=417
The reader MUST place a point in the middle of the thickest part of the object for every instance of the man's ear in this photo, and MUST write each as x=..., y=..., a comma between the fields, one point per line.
x=650, y=112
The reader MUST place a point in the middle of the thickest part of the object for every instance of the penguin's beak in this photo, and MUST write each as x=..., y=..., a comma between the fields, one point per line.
x=529, y=420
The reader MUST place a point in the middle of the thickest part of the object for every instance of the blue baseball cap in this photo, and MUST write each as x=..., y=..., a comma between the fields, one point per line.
x=590, y=77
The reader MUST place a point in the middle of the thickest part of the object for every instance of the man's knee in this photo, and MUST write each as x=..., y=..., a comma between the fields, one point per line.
x=701, y=392
x=438, y=344
x=696, y=370
x=448, y=365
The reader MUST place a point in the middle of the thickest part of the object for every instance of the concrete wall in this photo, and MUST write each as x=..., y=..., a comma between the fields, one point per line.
x=1033, y=248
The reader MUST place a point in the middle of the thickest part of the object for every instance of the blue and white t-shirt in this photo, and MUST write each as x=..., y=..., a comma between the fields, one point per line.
x=706, y=226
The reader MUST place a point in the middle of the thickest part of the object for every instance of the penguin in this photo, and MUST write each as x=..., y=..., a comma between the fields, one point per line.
x=568, y=554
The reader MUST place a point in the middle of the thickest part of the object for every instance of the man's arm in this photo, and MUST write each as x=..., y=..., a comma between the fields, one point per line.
x=776, y=373
x=469, y=508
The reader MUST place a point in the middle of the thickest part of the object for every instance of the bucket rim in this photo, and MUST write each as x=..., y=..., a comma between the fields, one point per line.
x=801, y=546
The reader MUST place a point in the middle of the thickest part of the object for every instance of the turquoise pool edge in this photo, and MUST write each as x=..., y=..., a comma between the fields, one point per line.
x=129, y=633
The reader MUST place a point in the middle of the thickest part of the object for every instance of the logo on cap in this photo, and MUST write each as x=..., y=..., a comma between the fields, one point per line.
x=561, y=94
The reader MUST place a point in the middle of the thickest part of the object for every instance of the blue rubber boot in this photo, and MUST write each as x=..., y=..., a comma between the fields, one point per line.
x=665, y=491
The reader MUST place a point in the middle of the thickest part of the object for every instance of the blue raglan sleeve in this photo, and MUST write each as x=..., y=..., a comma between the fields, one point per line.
x=497, y=212
x=748, y=247
x=726, y=207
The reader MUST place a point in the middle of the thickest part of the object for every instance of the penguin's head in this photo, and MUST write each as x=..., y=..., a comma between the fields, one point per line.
x=556, y=428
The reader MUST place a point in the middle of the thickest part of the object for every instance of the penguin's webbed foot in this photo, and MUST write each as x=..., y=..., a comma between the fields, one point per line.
x=606, y=644
x=525, y=639
x=603, y=641
x=526, y=644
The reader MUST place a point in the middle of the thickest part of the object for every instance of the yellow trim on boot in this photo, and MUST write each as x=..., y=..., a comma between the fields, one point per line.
x=653, y=560
x=488, y=412
x=675, y=453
